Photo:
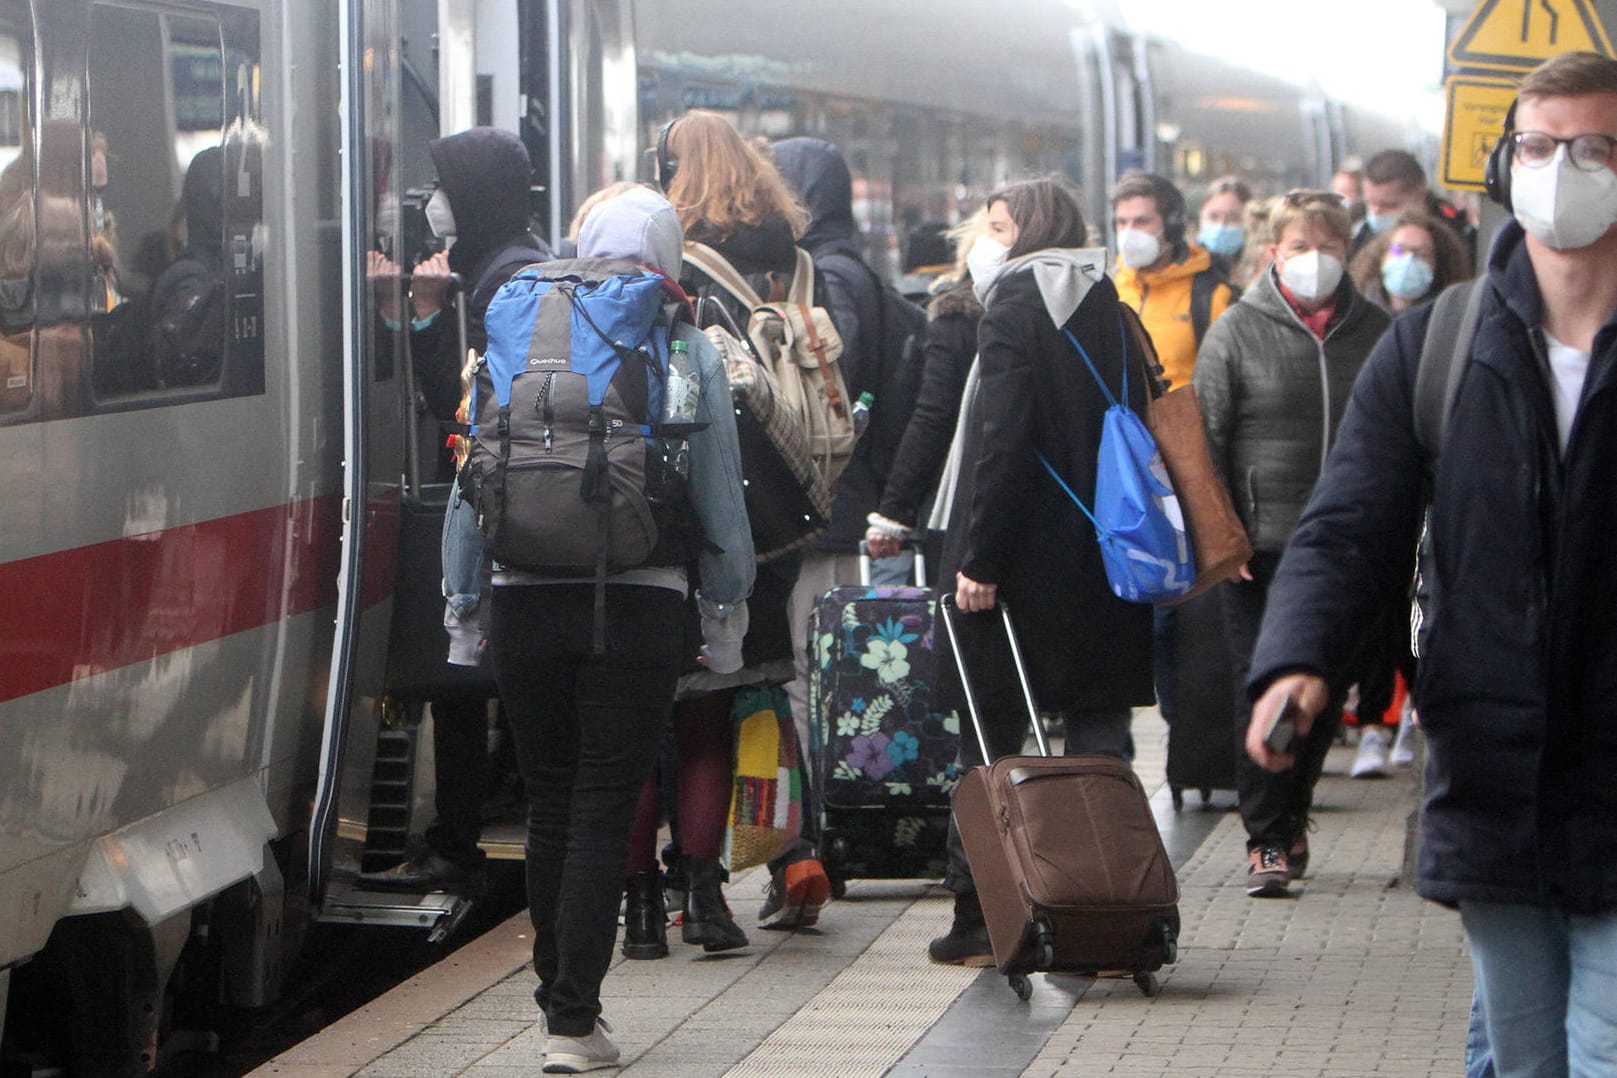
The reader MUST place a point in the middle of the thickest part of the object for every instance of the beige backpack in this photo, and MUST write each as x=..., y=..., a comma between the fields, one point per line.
x=798, y=344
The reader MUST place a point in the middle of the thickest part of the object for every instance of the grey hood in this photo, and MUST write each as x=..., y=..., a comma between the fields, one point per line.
x=638, y=226
x=1064, y=276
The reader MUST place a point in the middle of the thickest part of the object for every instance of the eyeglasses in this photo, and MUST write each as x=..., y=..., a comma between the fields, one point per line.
x=1591, y=152
x=1424, y=253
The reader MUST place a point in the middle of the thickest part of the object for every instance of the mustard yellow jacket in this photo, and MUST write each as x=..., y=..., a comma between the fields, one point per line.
x=1162, y=299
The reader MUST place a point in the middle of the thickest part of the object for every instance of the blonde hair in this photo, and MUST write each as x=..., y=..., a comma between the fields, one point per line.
x=605, y=194
x=962, y=236
x=723, y=181
x=1319, y=210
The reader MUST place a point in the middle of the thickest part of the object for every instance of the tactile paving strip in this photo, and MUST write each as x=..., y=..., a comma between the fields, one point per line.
x=869, y=1016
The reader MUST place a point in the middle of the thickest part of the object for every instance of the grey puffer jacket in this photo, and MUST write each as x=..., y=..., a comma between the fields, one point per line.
x=1272, y=395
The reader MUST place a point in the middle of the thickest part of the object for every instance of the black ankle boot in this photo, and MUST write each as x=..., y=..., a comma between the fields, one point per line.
x=645, y=922
x=967, y=941
x=707, y=919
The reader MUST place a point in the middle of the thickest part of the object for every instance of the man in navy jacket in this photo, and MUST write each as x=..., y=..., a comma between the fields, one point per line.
x=1517, y=686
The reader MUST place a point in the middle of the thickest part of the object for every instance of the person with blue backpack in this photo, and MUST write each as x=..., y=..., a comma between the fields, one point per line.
x=1052, y=345
x=604, y=458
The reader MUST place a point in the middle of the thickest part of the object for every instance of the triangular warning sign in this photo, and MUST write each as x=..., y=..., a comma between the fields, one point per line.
x=1520, y=34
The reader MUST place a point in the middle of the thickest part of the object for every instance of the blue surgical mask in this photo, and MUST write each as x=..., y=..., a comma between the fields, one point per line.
x=1406, y=277
x=1380, y=222
x=1225, y=240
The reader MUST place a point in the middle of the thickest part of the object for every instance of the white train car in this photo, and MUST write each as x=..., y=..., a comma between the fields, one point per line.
x=211, y=443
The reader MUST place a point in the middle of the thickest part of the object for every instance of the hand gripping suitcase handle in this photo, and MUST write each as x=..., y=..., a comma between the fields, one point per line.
x=920, y=563
x=950, y=613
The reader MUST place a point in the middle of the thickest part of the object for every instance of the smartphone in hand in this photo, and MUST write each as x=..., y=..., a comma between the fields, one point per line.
x=1281, y=729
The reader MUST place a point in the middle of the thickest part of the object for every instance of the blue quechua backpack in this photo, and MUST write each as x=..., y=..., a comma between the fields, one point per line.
x=1137, y=518
x=566, y=456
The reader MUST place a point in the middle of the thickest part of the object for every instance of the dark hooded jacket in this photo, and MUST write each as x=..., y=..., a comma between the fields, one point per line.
x=1013, y=526
x=1517, y=687
x=189, y=302
x=816, y=170
x=951, y=345
x=486, y=174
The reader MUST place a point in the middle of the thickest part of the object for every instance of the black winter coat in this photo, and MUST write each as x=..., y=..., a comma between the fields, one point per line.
x=1518, y=687
x=951, y=345
x=1013, y=526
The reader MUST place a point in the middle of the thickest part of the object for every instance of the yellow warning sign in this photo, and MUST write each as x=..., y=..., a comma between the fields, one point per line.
x=1476, y=119
x=1519, y=34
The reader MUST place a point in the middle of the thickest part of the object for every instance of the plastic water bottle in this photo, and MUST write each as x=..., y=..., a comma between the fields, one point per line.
x=861, y=412
x=683, y=389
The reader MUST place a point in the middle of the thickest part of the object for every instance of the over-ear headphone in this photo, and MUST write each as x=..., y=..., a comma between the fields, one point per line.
x=1496, y=174
x=666, y=166
x=1171, y=204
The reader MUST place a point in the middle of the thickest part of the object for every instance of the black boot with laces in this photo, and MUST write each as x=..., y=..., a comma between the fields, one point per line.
x=707, y=918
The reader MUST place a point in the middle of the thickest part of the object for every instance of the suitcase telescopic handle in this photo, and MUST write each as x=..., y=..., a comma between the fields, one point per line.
x=864, y=563
x=950, y=612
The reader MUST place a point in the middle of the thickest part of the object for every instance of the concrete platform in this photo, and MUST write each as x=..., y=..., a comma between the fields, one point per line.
x=1354, y=975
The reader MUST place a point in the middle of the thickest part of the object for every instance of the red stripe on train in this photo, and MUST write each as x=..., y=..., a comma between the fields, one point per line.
x=77, y=613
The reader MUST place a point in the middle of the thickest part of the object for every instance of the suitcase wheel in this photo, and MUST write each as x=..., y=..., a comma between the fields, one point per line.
x=1207, y=796
x=1021, y=986
x=1178, y=797
x=839, y=887
x=1146, y=982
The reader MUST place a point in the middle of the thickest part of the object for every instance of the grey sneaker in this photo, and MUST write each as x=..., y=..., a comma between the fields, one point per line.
x=1370, y=762
x=575, y=1055
x=1403, y=746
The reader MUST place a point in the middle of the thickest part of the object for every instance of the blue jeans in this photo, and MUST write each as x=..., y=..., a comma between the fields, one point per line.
x=1478, y=1056
x=1547, y=981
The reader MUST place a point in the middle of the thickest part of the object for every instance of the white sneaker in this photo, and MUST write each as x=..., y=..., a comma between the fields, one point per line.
x=1371, y=760
x=575, y=1055
x=1403, y=747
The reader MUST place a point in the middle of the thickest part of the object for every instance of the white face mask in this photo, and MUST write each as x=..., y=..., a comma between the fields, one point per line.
x=1311, y=275
x=984, y=260
x=1138, y=249
x=440, y=218
x=1562, y=206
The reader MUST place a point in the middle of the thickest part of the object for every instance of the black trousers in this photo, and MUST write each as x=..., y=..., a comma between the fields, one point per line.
x=586, y=728
x=1274, y=807
x=461, y=777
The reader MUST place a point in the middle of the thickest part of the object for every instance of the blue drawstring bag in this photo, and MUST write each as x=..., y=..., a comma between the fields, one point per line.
x=1137, y=518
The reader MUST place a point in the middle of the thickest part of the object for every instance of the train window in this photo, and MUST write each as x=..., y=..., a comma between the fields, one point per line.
x=175, y=201
x=16, y=214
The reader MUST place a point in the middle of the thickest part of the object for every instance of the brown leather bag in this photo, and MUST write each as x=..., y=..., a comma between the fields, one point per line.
x=1217, y=537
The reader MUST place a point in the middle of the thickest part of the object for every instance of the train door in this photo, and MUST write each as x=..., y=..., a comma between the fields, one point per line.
x=376, y=399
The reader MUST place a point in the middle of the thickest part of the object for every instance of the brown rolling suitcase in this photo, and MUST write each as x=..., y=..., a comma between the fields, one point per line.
x=1066, y=856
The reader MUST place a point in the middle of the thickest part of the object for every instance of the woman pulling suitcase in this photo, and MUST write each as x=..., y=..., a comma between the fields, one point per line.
x=1013, y=533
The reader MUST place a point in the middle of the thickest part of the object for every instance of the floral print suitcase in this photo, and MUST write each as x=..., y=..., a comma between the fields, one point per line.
x=884, y=755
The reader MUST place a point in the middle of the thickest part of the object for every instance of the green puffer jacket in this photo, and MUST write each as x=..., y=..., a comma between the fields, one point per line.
x=1271, y=396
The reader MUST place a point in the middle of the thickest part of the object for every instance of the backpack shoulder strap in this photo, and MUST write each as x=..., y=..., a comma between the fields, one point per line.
x=1146, y=349
x=1443, y=356
x=801, y=292
x=518, y=254
x=1202, y=287
x=719, y=270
